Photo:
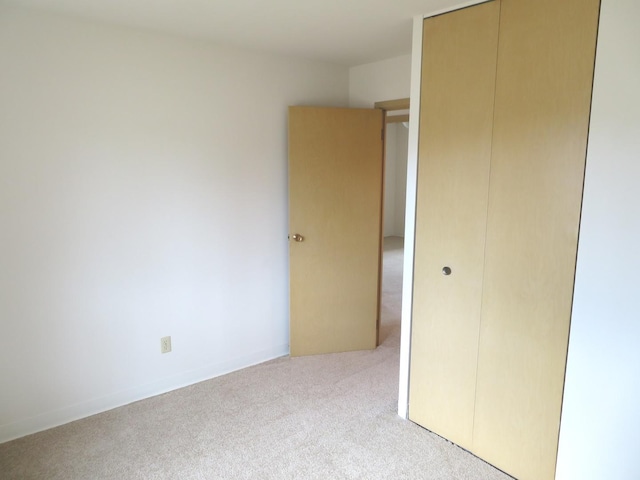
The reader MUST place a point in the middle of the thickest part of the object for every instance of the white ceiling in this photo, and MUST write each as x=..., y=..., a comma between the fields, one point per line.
x=349, y=32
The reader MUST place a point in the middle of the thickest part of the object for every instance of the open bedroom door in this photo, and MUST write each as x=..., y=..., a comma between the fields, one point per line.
x=336, y=162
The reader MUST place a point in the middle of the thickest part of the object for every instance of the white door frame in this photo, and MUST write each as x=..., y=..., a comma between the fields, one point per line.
x=410, y=213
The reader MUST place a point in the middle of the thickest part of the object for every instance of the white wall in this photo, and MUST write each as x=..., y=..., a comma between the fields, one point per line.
x=410, y=216
x=390, y=180
x=402, y=146
x=600, y=430
x=395, y=189
x=384, y=80
x=374, y=82
x=143, y=193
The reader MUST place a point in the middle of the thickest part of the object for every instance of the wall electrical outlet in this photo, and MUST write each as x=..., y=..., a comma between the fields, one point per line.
x=165, y=344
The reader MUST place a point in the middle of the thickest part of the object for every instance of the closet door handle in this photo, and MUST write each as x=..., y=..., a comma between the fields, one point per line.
x=297, y=237
x=446, y=271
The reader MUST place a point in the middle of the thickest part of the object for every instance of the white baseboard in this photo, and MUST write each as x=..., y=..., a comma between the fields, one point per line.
x=54, y=418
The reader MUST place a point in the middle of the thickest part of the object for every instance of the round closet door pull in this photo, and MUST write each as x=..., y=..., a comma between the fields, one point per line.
x=446, y=271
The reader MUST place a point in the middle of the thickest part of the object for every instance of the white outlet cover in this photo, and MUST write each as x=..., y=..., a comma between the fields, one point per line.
x=165, y=344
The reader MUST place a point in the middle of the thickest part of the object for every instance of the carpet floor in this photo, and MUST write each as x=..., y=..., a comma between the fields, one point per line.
x=320, y=417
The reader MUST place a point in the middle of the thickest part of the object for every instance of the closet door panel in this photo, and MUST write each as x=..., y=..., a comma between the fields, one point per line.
x=456, y=115
x=543, y=96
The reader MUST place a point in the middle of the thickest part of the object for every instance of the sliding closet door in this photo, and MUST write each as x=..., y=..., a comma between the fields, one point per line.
x=543, y=96
x=456, y=114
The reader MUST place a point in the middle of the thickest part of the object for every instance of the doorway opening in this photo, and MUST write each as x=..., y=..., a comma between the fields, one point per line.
x=395, y=188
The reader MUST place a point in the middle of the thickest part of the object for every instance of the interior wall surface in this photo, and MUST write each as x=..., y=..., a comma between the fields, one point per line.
x=143, y=193
x=388, y=79
x=390, y=179
x=378, y=81
x=600, y=428
x=402, y=153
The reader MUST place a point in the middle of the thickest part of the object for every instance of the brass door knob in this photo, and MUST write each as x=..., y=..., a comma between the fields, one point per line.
x=297, y=237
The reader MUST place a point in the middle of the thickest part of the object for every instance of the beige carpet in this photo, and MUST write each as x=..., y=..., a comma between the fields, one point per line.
x=323, y=417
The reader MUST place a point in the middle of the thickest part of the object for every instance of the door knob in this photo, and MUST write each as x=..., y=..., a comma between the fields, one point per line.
x=297, y=237
x=446, y=271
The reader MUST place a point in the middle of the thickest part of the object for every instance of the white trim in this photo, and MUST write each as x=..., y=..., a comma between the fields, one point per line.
x=458, y=6
x=410, y=214
x=410, y=217
x=64, y=415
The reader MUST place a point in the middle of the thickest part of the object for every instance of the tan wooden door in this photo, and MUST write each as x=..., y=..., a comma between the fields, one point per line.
x=499, y=196
x=335, y=226
x=456, y=117
x=543, y=99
